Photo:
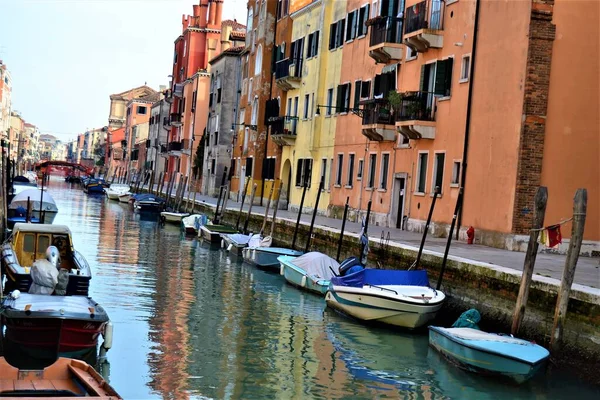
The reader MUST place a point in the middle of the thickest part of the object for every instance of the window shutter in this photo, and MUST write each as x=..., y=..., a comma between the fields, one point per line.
x=299, y=173
x=440, y=78
x=293, y=52
x=357, y=89
x=332, y=34
x=339, y=99
x=355, y=23
x=377, y=85
x=341, y=26
x=422, y=79
x=316, y=43
x=448, y=81
x=366, y=18
x=347, y=97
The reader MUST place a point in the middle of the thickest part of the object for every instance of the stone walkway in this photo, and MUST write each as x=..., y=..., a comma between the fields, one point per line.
x=548, y=265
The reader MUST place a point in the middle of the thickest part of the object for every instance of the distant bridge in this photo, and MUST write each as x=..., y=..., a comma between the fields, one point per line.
x=43, y=166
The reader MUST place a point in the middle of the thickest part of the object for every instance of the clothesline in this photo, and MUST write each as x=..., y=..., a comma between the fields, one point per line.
x=562, y=222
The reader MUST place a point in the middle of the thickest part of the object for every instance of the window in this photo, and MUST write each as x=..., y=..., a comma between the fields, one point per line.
x=375, y=9
x=250, y=89
x=249, y=162
x=350, y=169
x=29, y=243
x=465, y=68
x=384, y=84
x=357, y=88
x=270, y=168
x=213, y=163
x=280, y=52
x=282, y=11
x=343, y=98
x=372, y=163
x=232, y=169
x=422, y=172
x=351, y=25
x=383, y=175
x=438, y=171
x=437, y=77
x=359, y=173
x=254, y=117
x=340, y=168
x=216, y=138
x=363, y=16
x=365, y=90
x=246, y=137
x=306, y=105
x=313, y=45
x=141, y=110
x=218, y=90
x=303, y=172
x=324, y=174
x=258, y=60
x=455, y=173
x=329, y=101
x=289, y=107
x=410, y=53
x=336, y=34
x=297, y=56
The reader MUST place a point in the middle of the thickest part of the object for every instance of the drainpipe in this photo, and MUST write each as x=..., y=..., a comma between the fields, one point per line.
x=463, y=175
x=264, y=166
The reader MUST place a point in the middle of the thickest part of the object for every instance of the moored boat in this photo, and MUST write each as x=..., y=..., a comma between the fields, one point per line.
x=148, y=203
x=116, y=189
x=94, y=186
x=311, y=271
x=29, y=243
x=235, y=243
x=68, y=325
x=212, y=233
x=488, y=353
x=45, y=211
x=125, y=197
x=65, y=378
x=173, y=217
x=393, y=297
x=266, y=258
x=192, y=223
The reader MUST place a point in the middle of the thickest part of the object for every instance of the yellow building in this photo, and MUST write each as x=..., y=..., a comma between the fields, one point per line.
x=314, y=72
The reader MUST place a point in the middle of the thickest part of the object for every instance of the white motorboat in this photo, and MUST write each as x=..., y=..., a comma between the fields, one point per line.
x=124, y=198
x=173, y=217
x=192, y=223
x=117, y=189
x=400, y=298
x=46, y=209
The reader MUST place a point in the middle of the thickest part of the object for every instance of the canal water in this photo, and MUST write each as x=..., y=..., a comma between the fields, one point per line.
x=191, y=323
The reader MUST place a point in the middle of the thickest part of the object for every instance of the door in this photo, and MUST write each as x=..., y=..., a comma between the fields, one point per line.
x=400, y=184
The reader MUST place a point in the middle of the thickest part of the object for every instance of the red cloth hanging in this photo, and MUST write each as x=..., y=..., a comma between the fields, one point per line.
x=554, y=236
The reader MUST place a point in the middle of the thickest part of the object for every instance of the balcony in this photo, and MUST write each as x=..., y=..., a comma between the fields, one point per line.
x=175, y=148
x=283, y=130
x=378, y=120
x=385, y=44
x=287, y=77
x=175, y=119
x=163, y=149
x=415, y=116
x=186, y=146
x=424, y=26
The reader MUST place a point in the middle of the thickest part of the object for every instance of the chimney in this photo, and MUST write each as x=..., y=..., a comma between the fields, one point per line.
x=202, y=13
x=219, y=12
x=212, y=11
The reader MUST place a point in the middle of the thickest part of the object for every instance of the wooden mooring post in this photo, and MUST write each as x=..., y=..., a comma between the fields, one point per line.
x=562, y=301
x=539, y=212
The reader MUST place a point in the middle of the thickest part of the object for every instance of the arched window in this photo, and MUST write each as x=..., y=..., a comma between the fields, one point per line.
x=254, y=120
x=258, y=60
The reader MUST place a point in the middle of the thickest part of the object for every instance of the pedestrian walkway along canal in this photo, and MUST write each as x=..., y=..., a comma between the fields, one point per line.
x=189, y=322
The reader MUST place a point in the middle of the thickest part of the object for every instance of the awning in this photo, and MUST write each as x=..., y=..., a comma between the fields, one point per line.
x=390, y=68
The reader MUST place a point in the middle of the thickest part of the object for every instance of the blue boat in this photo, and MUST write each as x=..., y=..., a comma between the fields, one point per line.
x=94, y=186
x=265, y=258
x=488, y=353
x=311, y=271
x=148, y=202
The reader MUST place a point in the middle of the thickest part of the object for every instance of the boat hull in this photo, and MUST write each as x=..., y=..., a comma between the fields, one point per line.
x=94, y=189
x=124, y=198
x=298, y=277
x=213, y=235
x=481, y=361
x=373, y=308
x=148, y=206
x=267, y=259
x=172, y=217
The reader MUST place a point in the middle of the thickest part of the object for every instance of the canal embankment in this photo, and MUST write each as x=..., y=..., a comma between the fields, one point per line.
x=468, y=283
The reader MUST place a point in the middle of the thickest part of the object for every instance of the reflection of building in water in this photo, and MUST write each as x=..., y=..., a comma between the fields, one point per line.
x=173, y=297
x=116, y=244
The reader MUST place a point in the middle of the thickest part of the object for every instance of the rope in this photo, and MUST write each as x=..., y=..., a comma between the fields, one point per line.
x=562, y=222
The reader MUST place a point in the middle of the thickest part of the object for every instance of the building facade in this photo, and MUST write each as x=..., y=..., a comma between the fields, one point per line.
x=5, y=100
x=156, y=154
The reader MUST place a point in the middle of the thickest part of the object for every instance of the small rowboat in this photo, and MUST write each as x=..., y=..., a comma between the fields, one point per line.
x=65, y=378
x=212, y=233
x=488, y=353
x=173, y=217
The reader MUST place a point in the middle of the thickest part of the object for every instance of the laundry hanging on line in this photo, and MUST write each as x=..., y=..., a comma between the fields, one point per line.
x=550, y=236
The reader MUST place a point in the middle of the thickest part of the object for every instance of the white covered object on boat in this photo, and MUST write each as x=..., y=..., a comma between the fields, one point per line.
x=316, y=265
x=257, y=241
x=44, y=277
x=34, y=195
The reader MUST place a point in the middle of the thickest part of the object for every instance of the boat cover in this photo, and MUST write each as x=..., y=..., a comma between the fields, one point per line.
x=468, y=319
x=382, y=277
x=20, y=200
x=42, y=228
x=67, y=306
x=44, y=277
x=238, y=238
x=316, y=264
x=148, y=197
x=476, y=334
x=257, y=241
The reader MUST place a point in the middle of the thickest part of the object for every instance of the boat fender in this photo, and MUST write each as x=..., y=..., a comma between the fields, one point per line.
x=108, y=335
x=303, y=282
x=15, y=294
x=281, y=270
x=230, y=247
x=222, y=243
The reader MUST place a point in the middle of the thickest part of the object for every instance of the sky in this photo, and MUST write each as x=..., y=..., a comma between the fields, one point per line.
x=66, y=57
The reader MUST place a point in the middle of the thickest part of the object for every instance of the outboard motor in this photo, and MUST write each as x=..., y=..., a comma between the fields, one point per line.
x=350, y=265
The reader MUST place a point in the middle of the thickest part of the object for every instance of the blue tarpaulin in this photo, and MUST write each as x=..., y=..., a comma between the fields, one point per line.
x=380, y=277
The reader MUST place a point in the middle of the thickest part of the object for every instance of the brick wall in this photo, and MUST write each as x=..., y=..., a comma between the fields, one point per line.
x=537, y=82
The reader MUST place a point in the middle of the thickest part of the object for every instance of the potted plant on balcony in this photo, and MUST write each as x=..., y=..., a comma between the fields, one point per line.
x=376, y=20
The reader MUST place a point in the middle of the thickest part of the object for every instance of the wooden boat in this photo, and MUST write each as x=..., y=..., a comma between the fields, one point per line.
x=266, y=258
x=487, y=353
x=47, y=209
x=117, y=189
x=400, y=298
x=193, y=222
x=66, y=378
x=212, y=233
x=64, y=324
x=311, y=271
x=235, y=243
x=173, y=217
x=125, y=197
x=28, y=243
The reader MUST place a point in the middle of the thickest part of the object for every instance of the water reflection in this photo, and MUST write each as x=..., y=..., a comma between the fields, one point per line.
x=190, y=322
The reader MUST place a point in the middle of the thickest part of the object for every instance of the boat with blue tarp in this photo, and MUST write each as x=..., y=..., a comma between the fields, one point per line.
x=394, y=297
x=148, y=202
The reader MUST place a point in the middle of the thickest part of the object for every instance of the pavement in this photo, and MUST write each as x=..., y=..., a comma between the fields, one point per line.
x=587, y=272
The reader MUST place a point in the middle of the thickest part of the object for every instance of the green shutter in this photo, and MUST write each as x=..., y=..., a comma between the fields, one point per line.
x=422, y=79
x=332, y=33
x=357, y=89
x=448, y=82
x=443, y=77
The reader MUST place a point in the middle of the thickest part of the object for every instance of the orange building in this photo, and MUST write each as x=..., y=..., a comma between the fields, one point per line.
x=410, y=81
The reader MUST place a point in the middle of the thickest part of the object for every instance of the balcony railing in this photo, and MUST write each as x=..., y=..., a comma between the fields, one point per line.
x=282, y=68
x=386, y=30
x=284, y=125
x=377, y=111
x=175, y=146
x=175, y=119
x=428, y=14
x=416, y=106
